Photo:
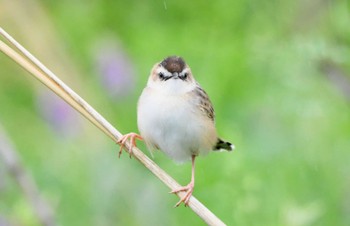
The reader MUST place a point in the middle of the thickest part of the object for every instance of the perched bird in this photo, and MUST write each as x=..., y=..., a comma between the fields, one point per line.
x=175, y=115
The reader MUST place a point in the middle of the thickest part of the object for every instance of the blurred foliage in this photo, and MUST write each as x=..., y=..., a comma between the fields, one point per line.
x=261, y=62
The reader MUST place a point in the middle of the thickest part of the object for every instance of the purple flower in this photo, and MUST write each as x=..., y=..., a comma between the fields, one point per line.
x=58, y=114
x=115, y=69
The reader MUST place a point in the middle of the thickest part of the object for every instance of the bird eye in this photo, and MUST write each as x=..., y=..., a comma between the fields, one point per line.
x=161, y=75
x=183, y=76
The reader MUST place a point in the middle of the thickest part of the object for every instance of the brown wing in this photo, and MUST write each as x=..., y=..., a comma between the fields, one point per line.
x=204, y=102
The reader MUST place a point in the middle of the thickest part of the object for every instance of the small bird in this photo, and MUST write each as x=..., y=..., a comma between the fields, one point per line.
x=175, y=115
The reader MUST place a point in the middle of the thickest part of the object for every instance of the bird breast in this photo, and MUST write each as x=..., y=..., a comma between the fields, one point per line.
x=174, y=124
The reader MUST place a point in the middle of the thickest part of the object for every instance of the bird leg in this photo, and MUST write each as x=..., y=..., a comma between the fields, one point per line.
x=188, y=188
x=124, y=138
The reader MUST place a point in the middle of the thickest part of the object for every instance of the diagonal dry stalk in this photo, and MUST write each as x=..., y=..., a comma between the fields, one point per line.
x=44, y=75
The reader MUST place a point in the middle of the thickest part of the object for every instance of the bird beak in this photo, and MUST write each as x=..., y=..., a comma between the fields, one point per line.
x=175, y=75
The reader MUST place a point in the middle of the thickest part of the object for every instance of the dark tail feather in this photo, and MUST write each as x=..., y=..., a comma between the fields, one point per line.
x=220, y=144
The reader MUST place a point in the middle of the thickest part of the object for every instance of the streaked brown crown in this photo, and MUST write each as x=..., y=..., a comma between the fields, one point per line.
x=173, y=64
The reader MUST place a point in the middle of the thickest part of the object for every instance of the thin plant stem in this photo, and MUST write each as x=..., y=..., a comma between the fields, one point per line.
x=15, y=167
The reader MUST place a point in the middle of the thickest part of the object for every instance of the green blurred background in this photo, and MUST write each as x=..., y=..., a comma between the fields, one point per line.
x=277, y=72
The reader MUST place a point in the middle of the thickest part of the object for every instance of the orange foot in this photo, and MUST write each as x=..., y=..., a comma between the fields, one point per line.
x=124, y=138
x=188, y=189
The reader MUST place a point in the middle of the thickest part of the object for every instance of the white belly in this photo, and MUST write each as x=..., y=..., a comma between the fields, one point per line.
x=174, y=125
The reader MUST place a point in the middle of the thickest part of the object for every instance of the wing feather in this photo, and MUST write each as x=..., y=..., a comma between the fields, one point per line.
x=204, y=102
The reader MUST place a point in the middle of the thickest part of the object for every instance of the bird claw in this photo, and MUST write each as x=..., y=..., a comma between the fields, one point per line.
x=185, y=199
x=124, y=138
